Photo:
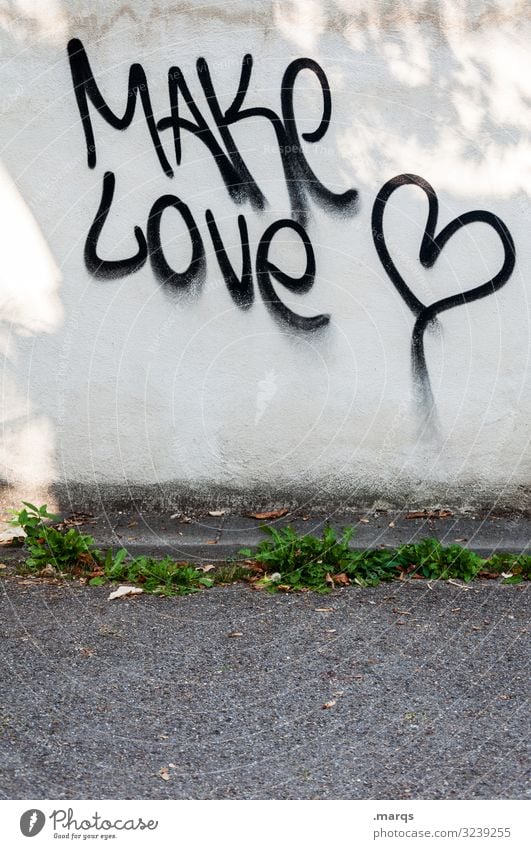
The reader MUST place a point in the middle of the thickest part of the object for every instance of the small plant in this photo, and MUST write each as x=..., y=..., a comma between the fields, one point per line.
x=49, y=546
x=305, y=562
x=284, y=561
x=515, y=567
x=164, y=577
x=295, y=562
x=432, y=560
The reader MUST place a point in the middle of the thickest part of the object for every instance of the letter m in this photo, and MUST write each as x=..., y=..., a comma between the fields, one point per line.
x=86, y=88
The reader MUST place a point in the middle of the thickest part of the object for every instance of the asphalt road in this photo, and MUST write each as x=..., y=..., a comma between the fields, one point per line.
x=224, y=692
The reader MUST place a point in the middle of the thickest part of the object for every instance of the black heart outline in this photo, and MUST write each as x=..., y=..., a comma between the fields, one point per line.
x=430, y=248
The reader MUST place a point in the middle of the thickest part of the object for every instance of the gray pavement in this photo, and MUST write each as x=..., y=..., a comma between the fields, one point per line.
x=225, y=690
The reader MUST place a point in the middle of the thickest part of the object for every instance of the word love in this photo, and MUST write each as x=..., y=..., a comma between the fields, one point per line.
x=240, y=288
x=301, y=182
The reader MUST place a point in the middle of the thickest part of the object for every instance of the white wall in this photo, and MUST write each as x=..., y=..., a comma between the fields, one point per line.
x=117, y=385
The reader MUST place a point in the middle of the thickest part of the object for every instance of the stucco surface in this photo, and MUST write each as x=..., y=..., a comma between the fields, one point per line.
x=175, y=389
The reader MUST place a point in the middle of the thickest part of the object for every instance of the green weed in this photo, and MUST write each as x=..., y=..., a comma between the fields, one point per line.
x=285, y=561
x=48, y=546
x=164, y=577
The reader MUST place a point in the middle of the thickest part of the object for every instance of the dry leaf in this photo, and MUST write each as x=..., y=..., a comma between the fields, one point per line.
x=124, y=591
x=330, y=631
x=364, y=521
x=270, y=514
x=216, y=512
x=391, y=524
x=324, y=609
x=341, y=578
x=86, y=651
x=235, y=634
x=329, y=579
x=11, y=533
x=211, y=542
x=207, y=567
x=164, y=774
x=329, y=704
x=429, y=514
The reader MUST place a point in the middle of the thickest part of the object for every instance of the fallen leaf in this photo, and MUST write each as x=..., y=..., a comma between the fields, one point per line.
x=235, y=634
x=123, y=591
x=429, y=514
x=391, y=524
x=324, y=609
x=207, y=567
x=3, y=566
x=364, y=521
x=11, y=533
x=164, y=774
x=216, y=512
x=86, y=651
x=284, y=588
x=329, y=579
x=341, y=578
x=330, y=631
x=211, y=542
x=401, y=612
x=329, y=704
x=270, y=514
x=185, y=520
x=48, y=571
x=175, y=516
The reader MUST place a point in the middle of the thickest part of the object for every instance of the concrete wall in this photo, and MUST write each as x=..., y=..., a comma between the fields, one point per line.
x=376, y=348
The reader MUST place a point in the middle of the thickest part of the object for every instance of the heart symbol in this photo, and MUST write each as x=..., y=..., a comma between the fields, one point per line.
x=430, y=248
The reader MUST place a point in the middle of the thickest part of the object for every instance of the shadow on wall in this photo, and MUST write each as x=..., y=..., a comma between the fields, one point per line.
x=477, y=142
x=29, y=306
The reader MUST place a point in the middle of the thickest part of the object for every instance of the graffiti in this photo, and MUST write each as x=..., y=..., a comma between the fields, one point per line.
x=431, y=246
x=302, y=184
x=240, y=288
x=301, y=181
